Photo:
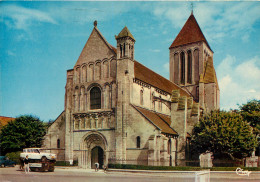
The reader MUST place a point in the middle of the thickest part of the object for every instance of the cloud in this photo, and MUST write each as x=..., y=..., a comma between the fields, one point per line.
x=82, y=12
x=177, y=14
x=217, y=19
x=228, y=19
x=18, y=17
x=238, y=82
x=166, y=67
x=155, y=50
x=11, y=53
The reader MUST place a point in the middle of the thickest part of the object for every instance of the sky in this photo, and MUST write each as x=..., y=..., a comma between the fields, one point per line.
x=39, y=41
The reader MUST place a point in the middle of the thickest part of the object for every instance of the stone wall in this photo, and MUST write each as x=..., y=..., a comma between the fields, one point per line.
x=56, y=132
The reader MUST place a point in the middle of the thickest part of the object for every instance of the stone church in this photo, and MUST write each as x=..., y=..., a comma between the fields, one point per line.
x=119, y=111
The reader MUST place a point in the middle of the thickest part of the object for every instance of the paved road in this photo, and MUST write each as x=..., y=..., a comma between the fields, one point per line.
x=78, y=175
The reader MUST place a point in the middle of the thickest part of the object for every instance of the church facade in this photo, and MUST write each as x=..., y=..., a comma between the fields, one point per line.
x=119, y=111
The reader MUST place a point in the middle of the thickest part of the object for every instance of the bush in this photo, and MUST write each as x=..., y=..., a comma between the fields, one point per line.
x=141, y=167
x=177, y=168
x=14, y=156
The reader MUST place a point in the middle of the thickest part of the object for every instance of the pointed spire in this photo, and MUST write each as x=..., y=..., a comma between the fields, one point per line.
x=191, y=4
x=190, y=33
x=95, y=23
x=125, y=33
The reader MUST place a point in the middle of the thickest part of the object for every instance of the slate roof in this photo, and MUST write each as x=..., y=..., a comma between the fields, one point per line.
x=114, y=49
x=160, y=121
x=148, y=76
x=209, y=75
x=125, y=33
x=190, y=33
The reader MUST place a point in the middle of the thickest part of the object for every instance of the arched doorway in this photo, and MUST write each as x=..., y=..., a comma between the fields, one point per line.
x=93, y=149
x=97, y=155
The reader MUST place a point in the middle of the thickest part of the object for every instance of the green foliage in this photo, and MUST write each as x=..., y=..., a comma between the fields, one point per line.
x=251, y=113
x=14, y=156
x=49, y=123
x=176, y=168
x=141, y=167
x=223, y=133
x=24, y=131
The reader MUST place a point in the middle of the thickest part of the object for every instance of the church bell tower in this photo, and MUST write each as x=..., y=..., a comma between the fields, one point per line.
x=124, y=79
x=191, y=65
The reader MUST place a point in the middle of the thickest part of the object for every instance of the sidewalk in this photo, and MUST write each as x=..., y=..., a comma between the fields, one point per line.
x=176, y=174
x=77, y=169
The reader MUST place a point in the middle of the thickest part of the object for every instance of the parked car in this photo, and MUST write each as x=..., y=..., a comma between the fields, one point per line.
x=39, y=159
x=4, y=161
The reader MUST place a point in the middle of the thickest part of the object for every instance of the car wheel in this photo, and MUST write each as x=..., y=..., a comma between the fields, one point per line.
x=2, y=165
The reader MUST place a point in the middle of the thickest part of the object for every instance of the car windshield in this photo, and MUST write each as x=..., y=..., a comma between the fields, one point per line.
x=31, y=150
x=35, y=151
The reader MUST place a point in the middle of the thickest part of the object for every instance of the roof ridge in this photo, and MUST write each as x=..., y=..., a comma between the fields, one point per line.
x=6, y=117
x=153, y=117
x=151, y=110
x=109, y=45
x=158, y=114
x=209, y=76
x=125, y=32
x=208, y=72
x=161, y=77
x=189, y=33
x=145, y=116
x=95, y=30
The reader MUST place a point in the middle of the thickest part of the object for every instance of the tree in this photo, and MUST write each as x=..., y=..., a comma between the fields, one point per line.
x=251, y=113
x=223, y=133
x=24, y=131
x=50, y=122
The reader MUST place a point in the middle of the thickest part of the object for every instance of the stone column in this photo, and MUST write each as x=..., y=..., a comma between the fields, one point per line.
x=92, y=122
x=96, y=120
x=179, y=120
x=174, y=150
x=201, y=93
x=158, y=149
x=85, y=158
x=164, y=154
x=86, y=101
x=151, y=150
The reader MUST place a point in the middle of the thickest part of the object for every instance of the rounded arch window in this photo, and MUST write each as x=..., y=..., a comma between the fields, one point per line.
x=189, y=67
x=141, y=97
x=58, y=143
x=95, y=98
x=169, y=146
x=138, y=142
x=182, y=67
